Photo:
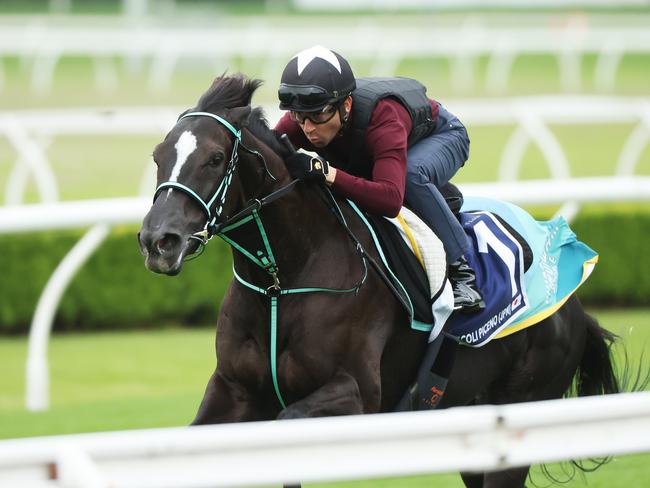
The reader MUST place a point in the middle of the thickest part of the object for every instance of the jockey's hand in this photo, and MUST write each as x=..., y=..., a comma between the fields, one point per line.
x=302, y=166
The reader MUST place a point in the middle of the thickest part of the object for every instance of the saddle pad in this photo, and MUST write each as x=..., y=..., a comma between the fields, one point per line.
x=515, y=297
x=424, y=282
x=425, y=245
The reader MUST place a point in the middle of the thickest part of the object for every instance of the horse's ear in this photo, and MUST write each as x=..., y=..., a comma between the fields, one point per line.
x=239, y=116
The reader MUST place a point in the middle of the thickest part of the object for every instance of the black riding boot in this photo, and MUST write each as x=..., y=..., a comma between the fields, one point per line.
x=467, y=296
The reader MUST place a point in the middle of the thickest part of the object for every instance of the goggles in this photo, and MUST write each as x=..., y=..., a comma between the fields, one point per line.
x=322, y=117
x=308, y=97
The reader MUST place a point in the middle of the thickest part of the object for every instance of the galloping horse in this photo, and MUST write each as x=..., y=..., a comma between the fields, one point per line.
x=307, y=328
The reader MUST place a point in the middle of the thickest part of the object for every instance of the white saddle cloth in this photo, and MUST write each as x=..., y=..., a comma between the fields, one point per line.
x=430, y=252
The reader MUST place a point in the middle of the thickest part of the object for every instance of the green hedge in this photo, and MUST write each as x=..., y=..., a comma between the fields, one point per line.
x=622, y=276
x=114, y=290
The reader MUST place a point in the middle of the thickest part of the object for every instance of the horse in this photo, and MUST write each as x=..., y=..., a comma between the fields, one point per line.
x=306, y=328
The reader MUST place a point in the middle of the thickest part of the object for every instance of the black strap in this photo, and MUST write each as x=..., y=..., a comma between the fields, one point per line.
x=256, y=204
x=433, y=375
x=327, y=196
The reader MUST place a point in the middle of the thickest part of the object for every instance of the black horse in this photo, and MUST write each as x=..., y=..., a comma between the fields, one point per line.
x=341, y=344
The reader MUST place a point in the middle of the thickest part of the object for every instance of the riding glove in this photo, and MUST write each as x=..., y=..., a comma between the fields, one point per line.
x=302, y=166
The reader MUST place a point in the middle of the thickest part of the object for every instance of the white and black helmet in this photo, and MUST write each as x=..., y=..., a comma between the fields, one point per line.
x=314, y=78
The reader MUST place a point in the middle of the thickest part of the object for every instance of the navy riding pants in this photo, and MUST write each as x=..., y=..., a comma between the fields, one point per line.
x=431, y=163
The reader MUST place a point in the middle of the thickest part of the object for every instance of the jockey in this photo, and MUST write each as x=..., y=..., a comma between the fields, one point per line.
x=383, y=144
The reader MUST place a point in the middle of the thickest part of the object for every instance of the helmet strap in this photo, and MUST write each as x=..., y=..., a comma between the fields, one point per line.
x=345, y=117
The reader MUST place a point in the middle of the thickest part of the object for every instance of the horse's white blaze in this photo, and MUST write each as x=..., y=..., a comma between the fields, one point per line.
x=185, y=146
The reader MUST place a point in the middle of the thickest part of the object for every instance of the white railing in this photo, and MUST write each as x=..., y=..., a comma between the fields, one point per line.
x=334, y=449
x=396, y=5
x=30, y=132
x=131, y=210
x=42, y=44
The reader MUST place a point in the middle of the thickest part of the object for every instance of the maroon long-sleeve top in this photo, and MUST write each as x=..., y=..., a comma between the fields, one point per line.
x=386, y=143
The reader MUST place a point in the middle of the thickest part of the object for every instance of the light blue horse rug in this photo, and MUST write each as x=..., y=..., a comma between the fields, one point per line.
x=525, y=269
x=517, y=298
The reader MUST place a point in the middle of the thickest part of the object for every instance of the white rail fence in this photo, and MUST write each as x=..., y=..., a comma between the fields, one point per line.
x=30, y=133
x=163, y=47
x=393, y=5
x=334, y=449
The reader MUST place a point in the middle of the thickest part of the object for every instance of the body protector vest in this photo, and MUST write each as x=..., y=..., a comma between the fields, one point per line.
x=410, y=93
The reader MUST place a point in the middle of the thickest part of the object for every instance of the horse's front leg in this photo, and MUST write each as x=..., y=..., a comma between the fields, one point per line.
x=225, y=401
x=339, y=396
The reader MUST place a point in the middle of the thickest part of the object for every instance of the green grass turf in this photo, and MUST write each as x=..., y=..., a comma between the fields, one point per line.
x=146, y=379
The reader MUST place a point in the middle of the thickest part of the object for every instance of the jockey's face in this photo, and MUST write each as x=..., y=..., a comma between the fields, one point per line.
x=320, y=135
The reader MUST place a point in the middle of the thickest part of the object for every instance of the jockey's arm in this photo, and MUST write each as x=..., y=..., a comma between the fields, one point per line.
x=386, y=141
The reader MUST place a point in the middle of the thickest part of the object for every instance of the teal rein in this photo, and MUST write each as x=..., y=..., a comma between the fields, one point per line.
x=266, y=260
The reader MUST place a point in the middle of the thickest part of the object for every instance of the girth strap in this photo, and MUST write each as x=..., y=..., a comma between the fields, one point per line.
x=274, y=293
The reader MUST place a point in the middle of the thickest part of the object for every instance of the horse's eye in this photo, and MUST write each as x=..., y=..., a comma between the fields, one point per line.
x=217, y=158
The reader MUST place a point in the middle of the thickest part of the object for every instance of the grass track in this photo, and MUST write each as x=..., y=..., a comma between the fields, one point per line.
x=146, y=379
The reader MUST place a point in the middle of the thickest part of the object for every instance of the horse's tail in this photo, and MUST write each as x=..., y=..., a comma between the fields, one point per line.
x=602, y=372
x=599, y=373
x=596, y=373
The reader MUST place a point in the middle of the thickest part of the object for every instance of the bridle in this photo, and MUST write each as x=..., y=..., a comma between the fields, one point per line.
x=218, y=198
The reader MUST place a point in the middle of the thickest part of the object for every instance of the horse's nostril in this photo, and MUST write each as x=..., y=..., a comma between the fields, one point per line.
x=167, y=243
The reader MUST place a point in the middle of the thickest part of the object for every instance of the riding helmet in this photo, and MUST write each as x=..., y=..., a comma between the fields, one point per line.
x=314, y=78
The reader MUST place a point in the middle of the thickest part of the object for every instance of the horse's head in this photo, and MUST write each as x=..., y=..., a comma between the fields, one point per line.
x=198, y=163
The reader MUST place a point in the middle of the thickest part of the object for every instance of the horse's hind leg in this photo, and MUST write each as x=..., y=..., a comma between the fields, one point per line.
x=544, y=372
x=510, y=478
x=472, y=480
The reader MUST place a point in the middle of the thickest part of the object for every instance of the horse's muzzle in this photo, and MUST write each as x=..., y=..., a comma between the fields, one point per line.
x=163, y=250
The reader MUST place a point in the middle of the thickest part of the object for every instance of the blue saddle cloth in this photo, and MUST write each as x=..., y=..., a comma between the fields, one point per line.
x=515, y=297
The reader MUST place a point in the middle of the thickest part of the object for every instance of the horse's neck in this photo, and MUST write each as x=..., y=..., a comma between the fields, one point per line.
x=299, y=225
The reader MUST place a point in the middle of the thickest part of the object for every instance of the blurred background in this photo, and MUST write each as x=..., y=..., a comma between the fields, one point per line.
x=547, y=89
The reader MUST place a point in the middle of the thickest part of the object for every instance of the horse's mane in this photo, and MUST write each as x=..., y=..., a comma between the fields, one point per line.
x=228, y=92
x=259, y=126
x=237, y=91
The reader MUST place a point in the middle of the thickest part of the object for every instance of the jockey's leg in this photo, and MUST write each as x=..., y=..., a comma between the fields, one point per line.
x=431, y=163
